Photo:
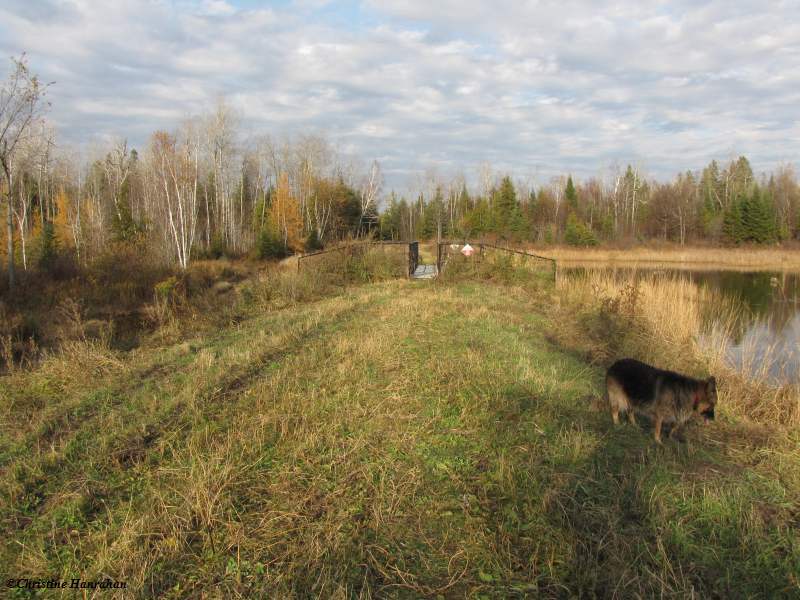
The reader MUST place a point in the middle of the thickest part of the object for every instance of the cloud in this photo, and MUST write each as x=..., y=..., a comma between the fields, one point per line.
x=536, y=87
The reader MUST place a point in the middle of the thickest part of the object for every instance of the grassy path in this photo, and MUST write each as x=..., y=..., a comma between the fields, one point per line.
x=403, y=440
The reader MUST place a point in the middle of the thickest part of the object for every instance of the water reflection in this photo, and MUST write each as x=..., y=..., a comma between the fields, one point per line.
x=767, y=341
x=770, y=351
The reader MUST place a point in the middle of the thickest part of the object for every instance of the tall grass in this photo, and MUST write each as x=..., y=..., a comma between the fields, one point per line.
x=749, y=258
x=675, y=323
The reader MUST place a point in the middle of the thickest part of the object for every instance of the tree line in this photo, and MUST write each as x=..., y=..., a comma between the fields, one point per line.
x=728, y=205
x=204, y=190
x=201, y=190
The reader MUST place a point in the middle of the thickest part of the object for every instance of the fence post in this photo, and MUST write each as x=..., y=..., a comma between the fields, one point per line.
x=413, y=257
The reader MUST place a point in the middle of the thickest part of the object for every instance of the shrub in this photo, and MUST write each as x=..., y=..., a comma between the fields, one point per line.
x=313, y=242
x=123, y=276
x=269, y=245
x=578, y=233
x=48, y=247
x=216, y=249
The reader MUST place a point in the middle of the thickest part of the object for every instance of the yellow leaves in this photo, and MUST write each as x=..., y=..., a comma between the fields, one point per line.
x=285, y=217
x=61, y=219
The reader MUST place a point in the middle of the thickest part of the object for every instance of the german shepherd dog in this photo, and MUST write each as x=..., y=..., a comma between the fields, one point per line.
x=666, y=397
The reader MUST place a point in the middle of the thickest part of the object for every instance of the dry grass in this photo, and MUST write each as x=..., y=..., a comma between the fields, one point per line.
x=697, y=258
x=398, y=439
x=678, y=324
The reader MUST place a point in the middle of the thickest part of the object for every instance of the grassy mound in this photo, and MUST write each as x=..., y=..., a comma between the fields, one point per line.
x=399, y=439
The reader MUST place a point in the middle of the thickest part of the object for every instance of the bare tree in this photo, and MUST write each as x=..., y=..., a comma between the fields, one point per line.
x=117, y=167
x=220, y=141
x=173, y=187
x=21, y=105
x=370, y=190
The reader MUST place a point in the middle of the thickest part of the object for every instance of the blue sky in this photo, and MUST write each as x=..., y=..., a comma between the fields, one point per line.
x=536, y=88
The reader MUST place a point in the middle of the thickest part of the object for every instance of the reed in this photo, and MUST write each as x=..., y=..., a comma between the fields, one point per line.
x=745, y=258
x=675, y=323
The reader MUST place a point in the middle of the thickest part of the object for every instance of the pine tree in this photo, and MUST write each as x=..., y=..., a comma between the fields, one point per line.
x=269, y=245
x=507, y=216
x=571, y=195
x=123, y=226
x=347, y=209
x=48, y=247
x=433, y=216
x=732, y=225
x=578, y=233
x=478, y=220
x=758, y=219
x=312, y=241
x=391, y=220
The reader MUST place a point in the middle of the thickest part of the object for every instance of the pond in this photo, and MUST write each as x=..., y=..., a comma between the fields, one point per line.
x=768, y=337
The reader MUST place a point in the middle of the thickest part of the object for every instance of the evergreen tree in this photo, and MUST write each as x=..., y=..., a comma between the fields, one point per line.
x=710, y=186
x=758, y=219
x=391, y=221
x=478, y=221
x=732, y=222
x=347, y=210
x=312, y=241
x=48, y=247
x=433, y=216
x=507, y=216
x=577, y=233
x=270, y=245
x=124, y=227
x=571, y=195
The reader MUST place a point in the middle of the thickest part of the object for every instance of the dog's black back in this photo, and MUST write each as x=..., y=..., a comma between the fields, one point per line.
x=641, y=381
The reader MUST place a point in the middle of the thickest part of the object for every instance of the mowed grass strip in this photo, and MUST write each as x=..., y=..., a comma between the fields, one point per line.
x=403, y=439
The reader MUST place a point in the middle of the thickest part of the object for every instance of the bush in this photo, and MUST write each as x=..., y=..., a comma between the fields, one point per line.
x=48, y=247
x=269, y=245
x=578, y=233
x=216, y=249
x=313, y=242
x=123, y=276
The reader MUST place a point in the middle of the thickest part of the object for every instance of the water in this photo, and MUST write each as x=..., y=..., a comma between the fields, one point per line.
x=767, y=340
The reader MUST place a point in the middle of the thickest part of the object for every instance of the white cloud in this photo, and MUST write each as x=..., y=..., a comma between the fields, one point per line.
x=539, y=86
x=217, y=8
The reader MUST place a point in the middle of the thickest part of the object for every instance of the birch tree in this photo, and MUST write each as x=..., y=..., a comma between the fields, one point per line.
x=370, y=188
x=21, y=105
x=174, y=187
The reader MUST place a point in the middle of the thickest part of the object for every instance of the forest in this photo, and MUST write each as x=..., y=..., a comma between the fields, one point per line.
x=212, y=187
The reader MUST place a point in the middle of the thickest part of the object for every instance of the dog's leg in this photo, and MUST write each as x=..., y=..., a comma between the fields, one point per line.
x=657, y=432
x=615, y=414
x=631, y=417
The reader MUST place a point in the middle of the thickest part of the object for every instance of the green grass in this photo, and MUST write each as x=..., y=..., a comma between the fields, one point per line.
x=399, y=439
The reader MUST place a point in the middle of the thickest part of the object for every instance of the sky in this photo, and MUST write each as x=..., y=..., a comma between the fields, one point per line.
x=536, y=88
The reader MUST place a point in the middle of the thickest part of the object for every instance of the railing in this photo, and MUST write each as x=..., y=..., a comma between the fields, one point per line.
x=441, y=253
x=413, y=251
x=441, y=257
x=342, y=248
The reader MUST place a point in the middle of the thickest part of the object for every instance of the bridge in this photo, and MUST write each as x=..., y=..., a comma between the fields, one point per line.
x=445, y=249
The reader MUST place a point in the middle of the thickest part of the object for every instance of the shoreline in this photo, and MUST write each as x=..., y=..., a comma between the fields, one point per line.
x=739, y=259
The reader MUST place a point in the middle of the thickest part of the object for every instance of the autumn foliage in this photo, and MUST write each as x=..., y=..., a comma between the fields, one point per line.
x=284, y=216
